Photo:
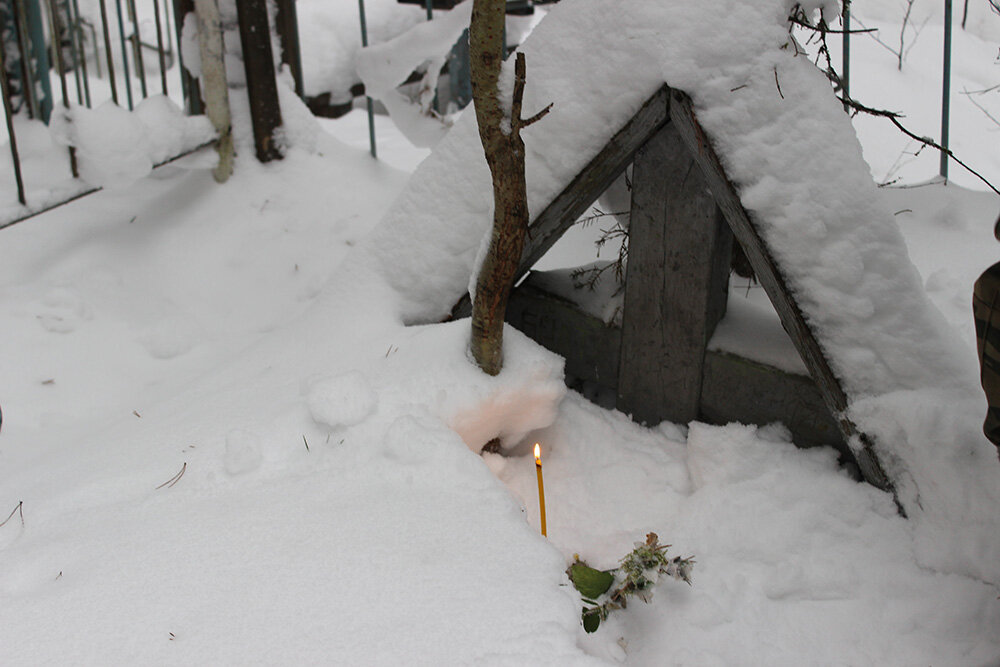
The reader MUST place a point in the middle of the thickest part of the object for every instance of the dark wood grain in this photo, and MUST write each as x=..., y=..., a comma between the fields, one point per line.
x=574, y=200
x=675, y=289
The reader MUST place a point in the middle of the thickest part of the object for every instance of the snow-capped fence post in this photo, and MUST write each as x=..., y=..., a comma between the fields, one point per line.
x=189, y=84
x=258, y=62
x=287, y=25
x=676, y=283
x=213, y=73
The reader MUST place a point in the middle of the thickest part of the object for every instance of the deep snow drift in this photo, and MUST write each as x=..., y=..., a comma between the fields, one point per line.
x=330, y=507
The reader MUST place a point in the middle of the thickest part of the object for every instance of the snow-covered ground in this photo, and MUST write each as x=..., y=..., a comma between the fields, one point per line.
x=230, y=449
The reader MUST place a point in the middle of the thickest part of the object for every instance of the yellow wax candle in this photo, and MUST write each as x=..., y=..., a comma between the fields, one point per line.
x=541, y=486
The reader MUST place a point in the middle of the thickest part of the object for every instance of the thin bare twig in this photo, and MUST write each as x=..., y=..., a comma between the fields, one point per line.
x=926, y=141
x=798, y=17
x=176, y=478
x=979, y=106
x=795, y=20
x=518, y=123
x=17, y=510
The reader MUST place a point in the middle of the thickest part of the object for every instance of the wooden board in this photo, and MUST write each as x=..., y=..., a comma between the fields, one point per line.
x=675, y=289
x=564, y=210
x=771, y=278
x=734, y=389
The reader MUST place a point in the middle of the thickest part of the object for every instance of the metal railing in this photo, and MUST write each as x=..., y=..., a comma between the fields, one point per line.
x=46, y=44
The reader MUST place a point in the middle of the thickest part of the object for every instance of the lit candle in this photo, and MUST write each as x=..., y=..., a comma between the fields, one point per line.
x=541, y=486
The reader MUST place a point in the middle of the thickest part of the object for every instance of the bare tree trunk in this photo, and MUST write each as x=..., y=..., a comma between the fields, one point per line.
x=504, y=148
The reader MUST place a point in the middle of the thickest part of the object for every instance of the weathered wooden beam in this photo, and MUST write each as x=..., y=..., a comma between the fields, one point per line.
x=737, y=389
x=564, y=210
x=771, y=278
x=676, y=285
x=262, y=89
x=589, y=346
x=734, y=388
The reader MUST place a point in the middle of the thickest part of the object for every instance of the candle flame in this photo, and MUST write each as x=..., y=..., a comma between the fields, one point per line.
x=538, y=454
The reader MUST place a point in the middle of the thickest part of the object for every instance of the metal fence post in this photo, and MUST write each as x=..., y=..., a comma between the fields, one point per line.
x=946, y=90
x=846, y=60
x=368, y=99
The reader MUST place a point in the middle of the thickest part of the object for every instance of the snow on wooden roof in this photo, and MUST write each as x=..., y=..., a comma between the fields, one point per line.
x=784, y=141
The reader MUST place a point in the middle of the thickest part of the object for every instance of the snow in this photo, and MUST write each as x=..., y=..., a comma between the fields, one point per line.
x=115, y=147
x=330, y=38
x=424, y=47
x=231, y=450
x=770, y=113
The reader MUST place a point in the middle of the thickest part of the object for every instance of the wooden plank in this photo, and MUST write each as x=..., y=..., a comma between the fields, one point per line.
x=589, y=346
x=734, y=389
x=262, y=89
x=675, y=287
x=771, y=278
x=564, y=210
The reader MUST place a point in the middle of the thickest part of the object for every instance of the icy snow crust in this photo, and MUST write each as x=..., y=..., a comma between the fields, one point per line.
x=785, y=143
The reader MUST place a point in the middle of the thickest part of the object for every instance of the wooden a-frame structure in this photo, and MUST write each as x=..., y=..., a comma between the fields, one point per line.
x=677, y=278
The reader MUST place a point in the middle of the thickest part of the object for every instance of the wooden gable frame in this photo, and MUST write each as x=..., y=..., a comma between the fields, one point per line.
x=678, y=267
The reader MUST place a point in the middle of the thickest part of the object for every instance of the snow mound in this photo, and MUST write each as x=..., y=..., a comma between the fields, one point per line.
x=115, y=147
x=344, y=400
x=792, y=153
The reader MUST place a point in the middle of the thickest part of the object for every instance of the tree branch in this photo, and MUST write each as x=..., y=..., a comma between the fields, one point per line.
x=516, y=122
x=926, y=141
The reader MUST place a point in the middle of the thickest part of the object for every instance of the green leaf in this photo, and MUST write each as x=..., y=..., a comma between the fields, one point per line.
x=591, y=620
x=591, y=583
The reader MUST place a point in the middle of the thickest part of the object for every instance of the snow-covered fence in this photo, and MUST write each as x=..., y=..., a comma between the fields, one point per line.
x=110, y=124
x=57, y=55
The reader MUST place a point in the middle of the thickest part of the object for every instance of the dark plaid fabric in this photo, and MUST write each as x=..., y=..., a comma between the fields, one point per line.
x=986, y=310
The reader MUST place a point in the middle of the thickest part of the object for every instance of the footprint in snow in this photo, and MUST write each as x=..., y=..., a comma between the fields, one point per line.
x=63, y=311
